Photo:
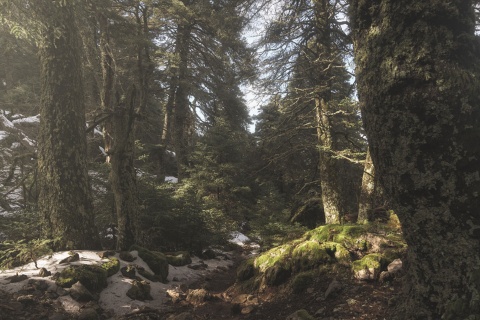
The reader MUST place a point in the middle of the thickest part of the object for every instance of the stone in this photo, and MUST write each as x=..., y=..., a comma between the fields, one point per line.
x=198, y=296
x=147, y=275
x=126, y=256
x=79, y=293
x=178, y=259
x=140, y=290
x=44, y=273
x=395, y=266
x=209, y=254
x=112, y=266
x=106, y=254
x=128, y=272
x=17, y=278
x=72, y=258
x=248, y=309
x=93, y=277
x=334, y=287
x=175, y=295
x=155, y=260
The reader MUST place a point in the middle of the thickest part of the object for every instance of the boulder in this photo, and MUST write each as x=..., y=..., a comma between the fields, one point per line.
x=111, y=266
x=93, y=277
x=198, y=296
x=106, y=254
x=74, y=256
x=333, y=288
x=44, y=273
x=155, y=260
x=369, y=267
x=79, y=293
x=126, y=256
x=128, y=272
x=140, y=290
x=178, y=259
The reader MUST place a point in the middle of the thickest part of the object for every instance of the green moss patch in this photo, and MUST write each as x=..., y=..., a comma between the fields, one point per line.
x=93, y=277
x=246, y=270
x=301, y=281
x=112, y=266
x=156, y=261
x=280, y=254
x=308, y=255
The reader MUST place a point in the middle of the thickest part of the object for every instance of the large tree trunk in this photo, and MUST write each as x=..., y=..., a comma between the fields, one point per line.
x=369, y=191
x=417, y=73
x=65, y=199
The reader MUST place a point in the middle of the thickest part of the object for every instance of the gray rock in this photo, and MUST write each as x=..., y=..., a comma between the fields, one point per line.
x=72, y=258
x=44, y=273
x=334, y=287
x=126, y=256
x=79, y=293
x=128, y=272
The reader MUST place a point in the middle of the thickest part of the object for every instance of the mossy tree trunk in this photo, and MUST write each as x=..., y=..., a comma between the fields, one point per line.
x=417, y=73
x=370, y=191
x=65, y=201
x=326, y=64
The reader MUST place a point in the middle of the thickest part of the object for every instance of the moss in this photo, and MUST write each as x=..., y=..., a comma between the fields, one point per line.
x=277, y=275
x=155, y=260
x=301, y=281
x=308, y=255
x=93, y=277
x=280, y=254
x=339, y=252
x=178, y=259
x=112, y=266
x=338, y=233
x=246, y=270
x=374, y=261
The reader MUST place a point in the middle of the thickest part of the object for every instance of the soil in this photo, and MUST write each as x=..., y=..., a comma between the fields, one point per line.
x=355, y=300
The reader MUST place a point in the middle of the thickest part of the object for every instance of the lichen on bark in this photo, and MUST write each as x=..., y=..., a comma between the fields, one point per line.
x=417, y=70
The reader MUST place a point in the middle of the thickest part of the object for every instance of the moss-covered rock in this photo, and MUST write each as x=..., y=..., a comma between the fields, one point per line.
x=140, y=290
x=369, y=267
x=301, y=281
x=277, y=275
x=93, y=277
x=112, y=266
x=338, y=251
x=308, y=255
x=278, y=255
x=155, y=260
x=246, y=270
x=178, y=259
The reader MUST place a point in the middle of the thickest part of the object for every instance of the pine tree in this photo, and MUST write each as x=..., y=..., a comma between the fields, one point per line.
x=417, y=71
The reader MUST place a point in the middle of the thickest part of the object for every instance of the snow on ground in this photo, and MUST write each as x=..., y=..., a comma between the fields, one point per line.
x=23, y=119
x=171, y=179
x=114, y=297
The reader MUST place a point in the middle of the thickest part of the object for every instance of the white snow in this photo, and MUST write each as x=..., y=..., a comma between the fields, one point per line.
x=114, y=297
x=23, y=119
x=6, y=123
x=3, y=135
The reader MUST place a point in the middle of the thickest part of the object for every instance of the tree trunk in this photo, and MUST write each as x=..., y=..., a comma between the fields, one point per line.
x=181, y=112
x=367, y=200
x=417, y=74
x=65, y=201
x=325, y=65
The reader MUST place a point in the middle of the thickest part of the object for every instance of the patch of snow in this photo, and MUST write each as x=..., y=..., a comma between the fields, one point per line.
x=15, y=145
x=97, y=132
x=102, y=150
x=30, y=142
x=171, y=179
x=3, y=135
x=33, y=119
x=242, y=240
x=5, y=122
x=113, y=297
x=171, y=153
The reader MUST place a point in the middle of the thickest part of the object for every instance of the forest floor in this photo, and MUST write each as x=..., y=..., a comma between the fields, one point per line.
x=353, y=299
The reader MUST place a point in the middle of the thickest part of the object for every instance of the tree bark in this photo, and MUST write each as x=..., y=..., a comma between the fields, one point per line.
x=417, y=74
x=65, y=201
x=368, y=193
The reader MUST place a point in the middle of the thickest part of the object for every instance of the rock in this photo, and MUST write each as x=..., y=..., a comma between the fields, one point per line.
x=128, y=272
x=26, y=299
x=209, y=254
x=40, y=285
x=320, y=312
x=175, y=295
x=44, y=273
x=147, y=275
x=79, y=293
x=88, y=314
x=246, y=270
x=395, y=266
x=199, y=266
x=247, y=309
x=111, y=266
x=155, y=260
x=72, y=258
x=17, y=278
x=93, y=277
x=140, y=290
x=105, y=254
x=276, y=275
x=198, y=296
x=300, y=315
x=369, y=267
x=351, y=302
x=334, y=287
x=179, y=259
x=126, y=256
